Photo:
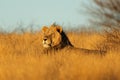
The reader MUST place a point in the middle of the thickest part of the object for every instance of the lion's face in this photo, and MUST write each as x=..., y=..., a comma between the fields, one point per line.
x=51, y=36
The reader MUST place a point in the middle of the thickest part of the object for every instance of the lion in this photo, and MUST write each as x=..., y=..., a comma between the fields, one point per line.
x=54, y=38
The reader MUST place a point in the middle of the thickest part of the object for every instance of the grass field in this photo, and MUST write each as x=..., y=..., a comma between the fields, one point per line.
x=21, y=58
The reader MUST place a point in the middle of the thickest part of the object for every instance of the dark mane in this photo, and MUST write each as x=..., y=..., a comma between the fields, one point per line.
x=65, y=41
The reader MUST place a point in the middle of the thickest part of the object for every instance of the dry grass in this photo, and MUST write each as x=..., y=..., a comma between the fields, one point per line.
x=21, y=58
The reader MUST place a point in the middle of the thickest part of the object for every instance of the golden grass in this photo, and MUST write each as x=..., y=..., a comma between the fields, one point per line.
x=21, y=58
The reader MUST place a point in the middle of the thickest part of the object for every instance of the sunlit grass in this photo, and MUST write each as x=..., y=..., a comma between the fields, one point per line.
x=21, y=58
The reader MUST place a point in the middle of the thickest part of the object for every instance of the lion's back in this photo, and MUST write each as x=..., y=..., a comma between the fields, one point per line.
x=84, y=50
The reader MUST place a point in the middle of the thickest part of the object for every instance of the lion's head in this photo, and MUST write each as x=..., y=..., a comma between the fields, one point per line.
x=54, y=37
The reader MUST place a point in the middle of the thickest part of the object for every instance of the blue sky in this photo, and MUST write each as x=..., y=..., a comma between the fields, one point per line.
x=41, y=12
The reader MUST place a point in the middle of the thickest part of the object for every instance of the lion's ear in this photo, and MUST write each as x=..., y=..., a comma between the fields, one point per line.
x=44, y=29
x=59, y=29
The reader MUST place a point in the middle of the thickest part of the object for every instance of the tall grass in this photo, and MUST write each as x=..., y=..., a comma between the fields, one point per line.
x=21, y=58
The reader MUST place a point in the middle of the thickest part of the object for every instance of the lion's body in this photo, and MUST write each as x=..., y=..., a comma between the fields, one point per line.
x=54, y=38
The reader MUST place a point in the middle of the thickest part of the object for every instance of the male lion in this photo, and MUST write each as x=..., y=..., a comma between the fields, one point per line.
x=54, y=38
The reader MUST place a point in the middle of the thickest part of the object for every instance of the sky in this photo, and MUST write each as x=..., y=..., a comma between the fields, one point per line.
x=41, y=12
